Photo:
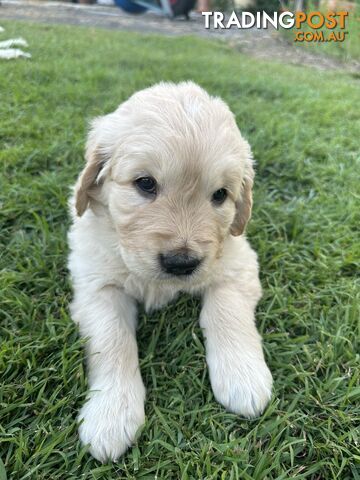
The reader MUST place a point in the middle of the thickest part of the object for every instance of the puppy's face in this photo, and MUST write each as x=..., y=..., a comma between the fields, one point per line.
x=175, y=175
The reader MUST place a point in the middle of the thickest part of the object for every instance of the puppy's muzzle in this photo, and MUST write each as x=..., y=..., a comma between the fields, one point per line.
x=178, y=264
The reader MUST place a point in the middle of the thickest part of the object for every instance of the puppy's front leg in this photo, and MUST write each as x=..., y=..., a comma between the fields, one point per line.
x=115, y=407
x=240, y=378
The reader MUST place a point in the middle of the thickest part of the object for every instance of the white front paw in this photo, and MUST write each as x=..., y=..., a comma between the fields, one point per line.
x=110, y=420
x=241, y=384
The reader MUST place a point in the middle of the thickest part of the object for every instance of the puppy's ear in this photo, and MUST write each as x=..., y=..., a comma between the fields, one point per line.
x=97, y=157
x=243, y=204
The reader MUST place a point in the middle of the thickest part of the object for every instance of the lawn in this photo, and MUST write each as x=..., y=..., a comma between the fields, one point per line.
x=304, y=129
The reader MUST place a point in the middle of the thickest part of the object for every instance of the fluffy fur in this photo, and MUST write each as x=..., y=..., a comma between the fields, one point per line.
x=189, y=142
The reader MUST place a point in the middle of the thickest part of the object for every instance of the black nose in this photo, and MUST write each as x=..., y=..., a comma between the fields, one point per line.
x=178, y=263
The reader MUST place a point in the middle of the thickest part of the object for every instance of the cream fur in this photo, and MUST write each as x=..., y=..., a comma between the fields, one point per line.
x=189, y=142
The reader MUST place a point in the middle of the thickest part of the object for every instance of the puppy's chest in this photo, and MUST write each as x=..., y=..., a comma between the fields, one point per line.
x=152, y=295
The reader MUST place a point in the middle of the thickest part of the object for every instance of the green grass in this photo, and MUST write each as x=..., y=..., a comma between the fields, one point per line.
x=304, y=129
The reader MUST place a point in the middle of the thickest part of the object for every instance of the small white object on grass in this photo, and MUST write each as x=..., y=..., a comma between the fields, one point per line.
x=6, y=50
x=14, y=42
x=9, y=53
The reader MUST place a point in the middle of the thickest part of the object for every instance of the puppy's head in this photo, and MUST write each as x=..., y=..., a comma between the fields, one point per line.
x=174, y=173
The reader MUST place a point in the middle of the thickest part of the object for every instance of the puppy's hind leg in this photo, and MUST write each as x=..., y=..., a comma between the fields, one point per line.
x=115, y=406
x=240, y=378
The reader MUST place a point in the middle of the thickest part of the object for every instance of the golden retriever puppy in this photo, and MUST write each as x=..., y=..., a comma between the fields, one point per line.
x=160, y=208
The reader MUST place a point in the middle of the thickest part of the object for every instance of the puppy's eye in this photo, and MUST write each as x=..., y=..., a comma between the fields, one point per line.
x=146, y=184
x=219, y=196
